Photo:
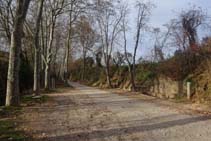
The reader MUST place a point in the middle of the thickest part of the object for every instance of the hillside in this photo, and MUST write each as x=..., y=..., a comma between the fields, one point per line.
x=166, y=79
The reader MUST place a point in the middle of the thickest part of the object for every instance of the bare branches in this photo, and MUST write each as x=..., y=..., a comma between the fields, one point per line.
x=185, y=28
x=6, y=17
x=143, y=13
x=108, y=17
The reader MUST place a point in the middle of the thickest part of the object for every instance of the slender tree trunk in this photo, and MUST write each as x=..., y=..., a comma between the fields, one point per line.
x=37, y=65
x=47, y=80
x=108, y=74
x=49, y=57
x=132, y=75
x=12, y=95
x=68, y=46
x=131, y=67
x=83, y=73
x=67, y=56
x=44, y=41
x=36, y=71
x=84, y=64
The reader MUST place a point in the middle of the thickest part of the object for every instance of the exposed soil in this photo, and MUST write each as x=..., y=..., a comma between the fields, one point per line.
x=90, y=114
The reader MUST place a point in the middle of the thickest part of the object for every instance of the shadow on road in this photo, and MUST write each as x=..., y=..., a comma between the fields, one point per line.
x=98, y=134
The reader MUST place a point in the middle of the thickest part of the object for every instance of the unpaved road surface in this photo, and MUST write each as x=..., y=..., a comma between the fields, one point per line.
x=90, y=114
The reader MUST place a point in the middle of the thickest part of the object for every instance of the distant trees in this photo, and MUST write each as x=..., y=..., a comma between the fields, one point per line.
x=74, y=10
x=87, y=38
x=185, y=28
x=119, y=58
x=15, y=49
x=161, y=41
x=191, y=20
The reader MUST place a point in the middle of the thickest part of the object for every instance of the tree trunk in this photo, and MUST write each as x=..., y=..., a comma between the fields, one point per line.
x=36, y=71
x=67, y=56
x=47, y=79
x=37, y=62
x=49, y=57
x=69, y=43
x=83, y=73
x=12, y=95
x=132, y=77
x=108, y=75
x=84, y=64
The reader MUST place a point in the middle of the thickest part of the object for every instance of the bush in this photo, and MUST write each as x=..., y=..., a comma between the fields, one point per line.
x=180, y=66
x=25, y=78
x=92, y=72
x=3, y=81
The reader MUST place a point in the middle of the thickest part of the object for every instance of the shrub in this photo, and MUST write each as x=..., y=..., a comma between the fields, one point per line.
x=25, y=78
x=3, y=81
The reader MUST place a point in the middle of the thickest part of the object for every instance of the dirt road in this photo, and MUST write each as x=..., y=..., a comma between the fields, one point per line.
x=89, y=114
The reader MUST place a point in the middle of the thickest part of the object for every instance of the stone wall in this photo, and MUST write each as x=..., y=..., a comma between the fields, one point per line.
x=164, y=87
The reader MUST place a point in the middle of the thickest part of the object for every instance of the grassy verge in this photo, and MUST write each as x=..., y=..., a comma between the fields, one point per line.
x=9, y=111
x=181, y=99
x=8, y=122
x=59, y=89
x=8, y=130
x=33, y=100
x=8, y=125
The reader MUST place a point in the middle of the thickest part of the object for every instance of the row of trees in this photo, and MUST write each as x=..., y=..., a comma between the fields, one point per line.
x=54, y=31
x=38, y=29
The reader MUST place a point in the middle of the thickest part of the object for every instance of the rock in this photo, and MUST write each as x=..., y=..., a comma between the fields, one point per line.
x=43, y=134
x=164, y=87
x=37, y=97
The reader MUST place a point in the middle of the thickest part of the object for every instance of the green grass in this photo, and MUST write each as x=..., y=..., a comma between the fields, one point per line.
x=7, y=125
x=34, y=99
x=8, y=132
x=181, y=99
x=9, y=111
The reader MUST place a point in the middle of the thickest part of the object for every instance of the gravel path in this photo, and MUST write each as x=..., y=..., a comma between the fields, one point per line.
x=90, y=114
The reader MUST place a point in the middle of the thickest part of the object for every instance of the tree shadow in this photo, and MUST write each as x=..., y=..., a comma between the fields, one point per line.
x=100, y=134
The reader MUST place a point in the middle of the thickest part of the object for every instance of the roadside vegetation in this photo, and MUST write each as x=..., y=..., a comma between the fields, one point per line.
x=9, y=118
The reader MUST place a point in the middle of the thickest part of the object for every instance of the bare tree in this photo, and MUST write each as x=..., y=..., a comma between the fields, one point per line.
x=15, y=49
x=75, y=9
x=108, y=19
x=184, y=29
x=6, y=17
x=37, y=49
x=190, y=21
x=118, y=59
x=179, y=39
x=87, y=39
x=161, y=42
x=56, y=9
x=143, y=14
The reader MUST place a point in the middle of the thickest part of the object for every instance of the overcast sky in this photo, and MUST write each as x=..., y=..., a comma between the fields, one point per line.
x=168, y=9
x=165, y=11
